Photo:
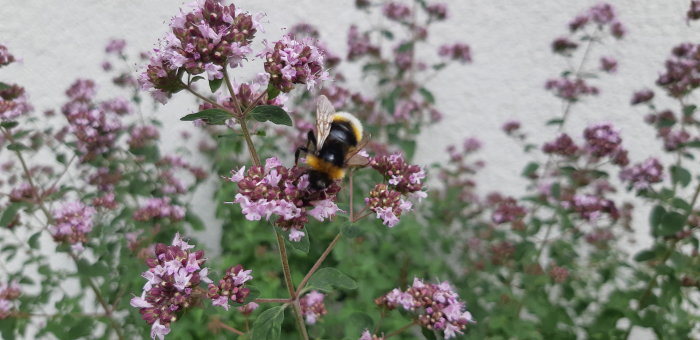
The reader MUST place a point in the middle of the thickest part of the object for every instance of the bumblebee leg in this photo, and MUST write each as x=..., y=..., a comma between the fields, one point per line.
x=311, y=139
x=297, y=153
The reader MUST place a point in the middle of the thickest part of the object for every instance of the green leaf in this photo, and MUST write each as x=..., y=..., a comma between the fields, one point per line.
x=9, y=214
x=326, y=278
x=272, y=92
x=688, y=110
x=33, y=241
x=427, y=95
x=556, y=121
x=350, y=230
x=428, y=334
x=645, y=255
x=215, y=84
x=269, y=324
x=530, y=170
x=657, y=213
x=9, y=125
x=194, y=79
x=357, y=322
x=671, y=223
x=4, y=86
x=405, y=47
x=210, y=116
x=408, y=147
x=17, y=147
x=274, y=114
x=388, y=34
x=680, y=175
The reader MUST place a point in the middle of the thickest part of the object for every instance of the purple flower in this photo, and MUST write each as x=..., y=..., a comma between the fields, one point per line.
x=570, y=90
x=562, y=145
x=405, y=178
x=206, y=38
x=458, y=51
x=141, y=135
x=510, y=127
x=602, y=139
x=159, y=207
x=277, y=190
x=312, y=306
x=436, y=306
x=682, y=74
x=359, y=45
x=171, y=279
x=642, y=96
x=508, y=210
x=396, y=11
x=694, y=10
x=13, y=102
x=8, y=293
x=5, y=57
x=230, y=288
x=437, y=11
x=591, y=207
x=292, y=62
x=643, y=175
x=115, y=46
x=72, y=222
x=608, y=64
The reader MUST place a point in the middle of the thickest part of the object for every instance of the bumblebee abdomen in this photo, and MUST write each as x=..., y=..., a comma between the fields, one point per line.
x=318, y=164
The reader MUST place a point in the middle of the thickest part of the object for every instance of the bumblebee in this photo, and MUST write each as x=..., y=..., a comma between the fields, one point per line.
x=335, y=146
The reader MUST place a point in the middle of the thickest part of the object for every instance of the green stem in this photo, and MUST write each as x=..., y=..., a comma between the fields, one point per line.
x=318, y=263
x=290, y=285
x=400, y=330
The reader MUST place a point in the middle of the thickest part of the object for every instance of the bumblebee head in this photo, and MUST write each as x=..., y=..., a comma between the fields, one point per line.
x=319, y=180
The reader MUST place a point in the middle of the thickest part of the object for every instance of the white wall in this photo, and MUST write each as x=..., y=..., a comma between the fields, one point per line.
x=61, y=40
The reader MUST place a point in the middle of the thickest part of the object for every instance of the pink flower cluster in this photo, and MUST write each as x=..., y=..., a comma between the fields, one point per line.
x=360, y=45
x=396, y=11
x=292, y=62
x=437, y=11
x=206, y=38
x=13, y=103
x=159, y=207
x=603, y=140
x=8, y=293
x=562, y=145
x=172, y=277
x=570, y=89
x=115, y=46
x=682, y=73
x=366, y=335
x=5, y=57
x=643, y=175
x=437, y=305
x=642, y=96
x=458, y=51
x=231, y=287
x=694, y=10
x=312, y=306
x=95, y=129
x=403, y=179
x=591, y=207
x=71, y=224
x=141, y=135
x=603, y=15
x=173, y=184
x=507, y=210
x=277, y=190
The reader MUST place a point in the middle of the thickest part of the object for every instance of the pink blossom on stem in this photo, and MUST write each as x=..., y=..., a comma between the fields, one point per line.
x=643, y=175
x=458, y=52
x=172, y=278
x=159, y=207
x=291, y=62
x=312, y=306
x=72, y=222
x=436, y=306
x=5, y=57
x=13, y=103
x=8, y=293
x=231, y=287
x=396, y=11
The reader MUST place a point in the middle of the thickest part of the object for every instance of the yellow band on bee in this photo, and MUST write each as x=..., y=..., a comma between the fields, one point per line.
x=352, y=120
x=333, y=171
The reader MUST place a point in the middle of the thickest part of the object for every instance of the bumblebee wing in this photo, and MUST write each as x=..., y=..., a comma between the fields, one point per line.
x=324, y=118
x=353, y=158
